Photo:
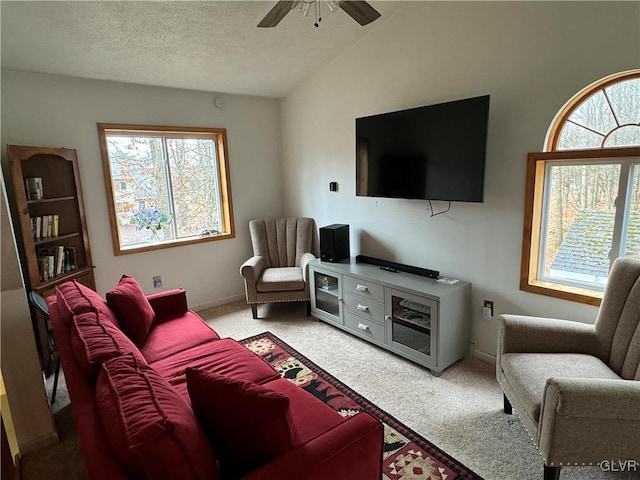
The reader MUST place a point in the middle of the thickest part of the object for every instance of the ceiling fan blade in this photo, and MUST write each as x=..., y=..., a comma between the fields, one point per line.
x=360, y=11
x=277, y=13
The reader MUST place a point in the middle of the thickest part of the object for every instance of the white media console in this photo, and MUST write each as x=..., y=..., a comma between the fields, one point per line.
x=416, y=317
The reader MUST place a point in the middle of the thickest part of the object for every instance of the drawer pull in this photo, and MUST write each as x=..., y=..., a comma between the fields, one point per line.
x=362, y=288
x=363, y=308
x=364, y=327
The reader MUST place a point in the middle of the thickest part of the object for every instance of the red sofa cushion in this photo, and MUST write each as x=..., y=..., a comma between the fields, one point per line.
x=132, y=309
x=310, y=415
x=247, y=424
x=175, y=336
x=95, y=340
x=150, y=427
x=73, y=298
x=225, y=357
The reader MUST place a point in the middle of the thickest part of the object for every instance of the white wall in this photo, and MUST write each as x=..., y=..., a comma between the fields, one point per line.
x=59, y=111
x=531, y=57
x=33, y=425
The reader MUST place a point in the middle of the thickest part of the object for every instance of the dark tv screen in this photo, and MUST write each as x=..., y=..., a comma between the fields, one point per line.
x=435, y=152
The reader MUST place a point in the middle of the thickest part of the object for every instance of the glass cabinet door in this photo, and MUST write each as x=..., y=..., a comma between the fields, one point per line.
x=326, y=298
x=411, y=324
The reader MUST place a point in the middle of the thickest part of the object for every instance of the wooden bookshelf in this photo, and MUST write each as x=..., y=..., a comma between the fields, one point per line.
x=62, y=196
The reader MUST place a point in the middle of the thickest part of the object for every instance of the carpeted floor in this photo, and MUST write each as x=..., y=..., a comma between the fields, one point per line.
x=460, y=411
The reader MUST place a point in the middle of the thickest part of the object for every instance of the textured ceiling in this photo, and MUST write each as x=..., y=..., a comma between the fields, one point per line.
x=213, y=46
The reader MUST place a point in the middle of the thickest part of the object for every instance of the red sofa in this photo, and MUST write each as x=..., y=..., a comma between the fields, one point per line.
x=156, y=393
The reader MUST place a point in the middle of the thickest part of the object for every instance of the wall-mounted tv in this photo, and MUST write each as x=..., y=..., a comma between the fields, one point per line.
x=435, y=152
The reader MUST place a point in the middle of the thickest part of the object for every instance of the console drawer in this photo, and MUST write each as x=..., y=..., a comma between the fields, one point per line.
x=363, y=327
x=363, y=288
x=365, y=307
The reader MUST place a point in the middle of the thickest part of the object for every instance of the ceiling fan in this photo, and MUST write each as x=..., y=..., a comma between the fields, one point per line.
x=359, y=10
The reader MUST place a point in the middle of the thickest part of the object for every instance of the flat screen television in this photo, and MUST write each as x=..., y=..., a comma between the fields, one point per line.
x=434, y=152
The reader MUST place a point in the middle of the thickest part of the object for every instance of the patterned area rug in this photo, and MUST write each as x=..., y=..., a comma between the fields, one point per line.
x=406, y=455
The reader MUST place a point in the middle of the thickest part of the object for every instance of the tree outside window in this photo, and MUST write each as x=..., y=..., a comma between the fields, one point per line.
x=176, y=185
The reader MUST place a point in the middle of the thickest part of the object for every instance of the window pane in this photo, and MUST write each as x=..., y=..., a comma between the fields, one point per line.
x=578, y=228
x=193, y=166
x=631, y=240
x=141, y=201
x=624, y=98
x=577, y=137
x=595, y=114
x=624, y=137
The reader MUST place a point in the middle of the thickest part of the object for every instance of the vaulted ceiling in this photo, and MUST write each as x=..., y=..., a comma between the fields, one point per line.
x=213, y=46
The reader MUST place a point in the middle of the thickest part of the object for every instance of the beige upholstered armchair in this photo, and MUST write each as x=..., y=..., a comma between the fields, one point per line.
x=576, y=387
x=277, y=272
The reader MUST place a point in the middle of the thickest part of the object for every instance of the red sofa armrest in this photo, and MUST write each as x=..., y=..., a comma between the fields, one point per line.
x=351, y=449
x=169, y=304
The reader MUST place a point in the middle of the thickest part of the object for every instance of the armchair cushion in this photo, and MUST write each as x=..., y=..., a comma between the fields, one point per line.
x=527, y=374
x=282, y=279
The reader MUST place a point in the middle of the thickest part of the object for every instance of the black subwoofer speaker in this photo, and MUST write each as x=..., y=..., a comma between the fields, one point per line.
x=334, y=242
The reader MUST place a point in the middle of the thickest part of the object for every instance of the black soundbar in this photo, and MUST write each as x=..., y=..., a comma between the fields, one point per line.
x=424, y=272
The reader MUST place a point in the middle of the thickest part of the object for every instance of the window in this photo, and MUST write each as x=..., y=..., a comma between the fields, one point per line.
x=582, y=207
x=166, y=186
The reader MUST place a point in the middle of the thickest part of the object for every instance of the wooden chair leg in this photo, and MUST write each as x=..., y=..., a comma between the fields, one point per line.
x=507, y=405
x=254, y=310
x=551, y=473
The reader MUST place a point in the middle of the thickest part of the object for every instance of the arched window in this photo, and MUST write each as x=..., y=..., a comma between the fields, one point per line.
x=582, y=206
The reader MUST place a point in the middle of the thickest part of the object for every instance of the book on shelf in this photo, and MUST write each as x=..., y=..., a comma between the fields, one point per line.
x=43, y=268
x=55, y=219
x=54, y=261
x=59, y=259
x=52, y=265
x=70, y=259
x=33, y=187
x=45, y=226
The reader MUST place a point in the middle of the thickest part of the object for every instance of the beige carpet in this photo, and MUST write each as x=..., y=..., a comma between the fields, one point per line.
x=460, y=411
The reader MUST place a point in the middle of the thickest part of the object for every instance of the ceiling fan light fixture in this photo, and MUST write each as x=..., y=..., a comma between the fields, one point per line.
x=333, y=5
x=359, y=10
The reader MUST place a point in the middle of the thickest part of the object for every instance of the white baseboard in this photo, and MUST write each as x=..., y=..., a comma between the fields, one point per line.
x=215, y=303
x=485, y=357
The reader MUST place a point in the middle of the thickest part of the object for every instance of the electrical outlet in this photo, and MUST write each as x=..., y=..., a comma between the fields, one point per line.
x=487, y=310
x=157, y=281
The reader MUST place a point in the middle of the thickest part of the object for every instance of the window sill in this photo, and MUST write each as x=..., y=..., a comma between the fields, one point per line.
x=173, y=243
x=564, y=292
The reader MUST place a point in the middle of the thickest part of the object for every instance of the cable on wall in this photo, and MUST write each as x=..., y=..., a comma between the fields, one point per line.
x=433, y=214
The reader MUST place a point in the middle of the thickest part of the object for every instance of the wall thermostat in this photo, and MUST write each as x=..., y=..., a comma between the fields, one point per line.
x=218, y=102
